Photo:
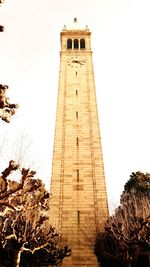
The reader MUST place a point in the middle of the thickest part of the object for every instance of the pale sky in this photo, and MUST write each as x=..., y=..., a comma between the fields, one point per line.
x=29, y=64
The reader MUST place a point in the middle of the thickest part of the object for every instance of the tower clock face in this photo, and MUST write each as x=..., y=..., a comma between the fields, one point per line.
x=76, y=61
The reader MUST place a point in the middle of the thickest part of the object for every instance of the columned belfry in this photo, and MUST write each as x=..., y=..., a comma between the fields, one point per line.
x=79, y=198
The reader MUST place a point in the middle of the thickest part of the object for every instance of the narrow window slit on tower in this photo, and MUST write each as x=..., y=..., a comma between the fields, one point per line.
x=77, y=175
x=76, y=114
x=77, y=140
x=76, y=73
x=78, y=214
x=76, y=92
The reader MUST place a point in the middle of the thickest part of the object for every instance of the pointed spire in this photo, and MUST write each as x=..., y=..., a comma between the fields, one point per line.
x=64, y=28
x=75, y=26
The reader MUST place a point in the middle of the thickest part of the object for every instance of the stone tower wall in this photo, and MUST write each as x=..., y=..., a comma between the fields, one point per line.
x=79, y=200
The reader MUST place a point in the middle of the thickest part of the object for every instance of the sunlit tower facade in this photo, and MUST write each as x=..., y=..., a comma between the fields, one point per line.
x=79, y=198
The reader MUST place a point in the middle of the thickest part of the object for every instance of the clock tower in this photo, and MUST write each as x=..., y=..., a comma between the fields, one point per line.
x=78, y=202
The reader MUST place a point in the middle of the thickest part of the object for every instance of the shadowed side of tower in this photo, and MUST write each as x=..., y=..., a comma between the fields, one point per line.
x=79, y=199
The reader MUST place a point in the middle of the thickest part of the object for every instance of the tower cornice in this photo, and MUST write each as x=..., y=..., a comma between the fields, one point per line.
x=75, y=33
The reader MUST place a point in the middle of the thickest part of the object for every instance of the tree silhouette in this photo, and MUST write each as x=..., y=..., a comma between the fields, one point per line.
x=26, y=236
x=126, y=237
x=6, y=109
x=1, y=27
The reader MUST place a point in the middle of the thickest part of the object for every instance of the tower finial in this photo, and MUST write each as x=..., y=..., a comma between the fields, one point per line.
x=75, y=20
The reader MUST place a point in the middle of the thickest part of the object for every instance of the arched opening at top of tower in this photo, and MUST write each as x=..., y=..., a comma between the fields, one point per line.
x=69, y=44
x=82, y=43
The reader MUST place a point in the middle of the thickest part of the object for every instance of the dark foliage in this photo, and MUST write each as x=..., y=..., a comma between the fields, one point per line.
x=139, y=182
x=2, y=28
x=125, y=241
x=6, y=109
